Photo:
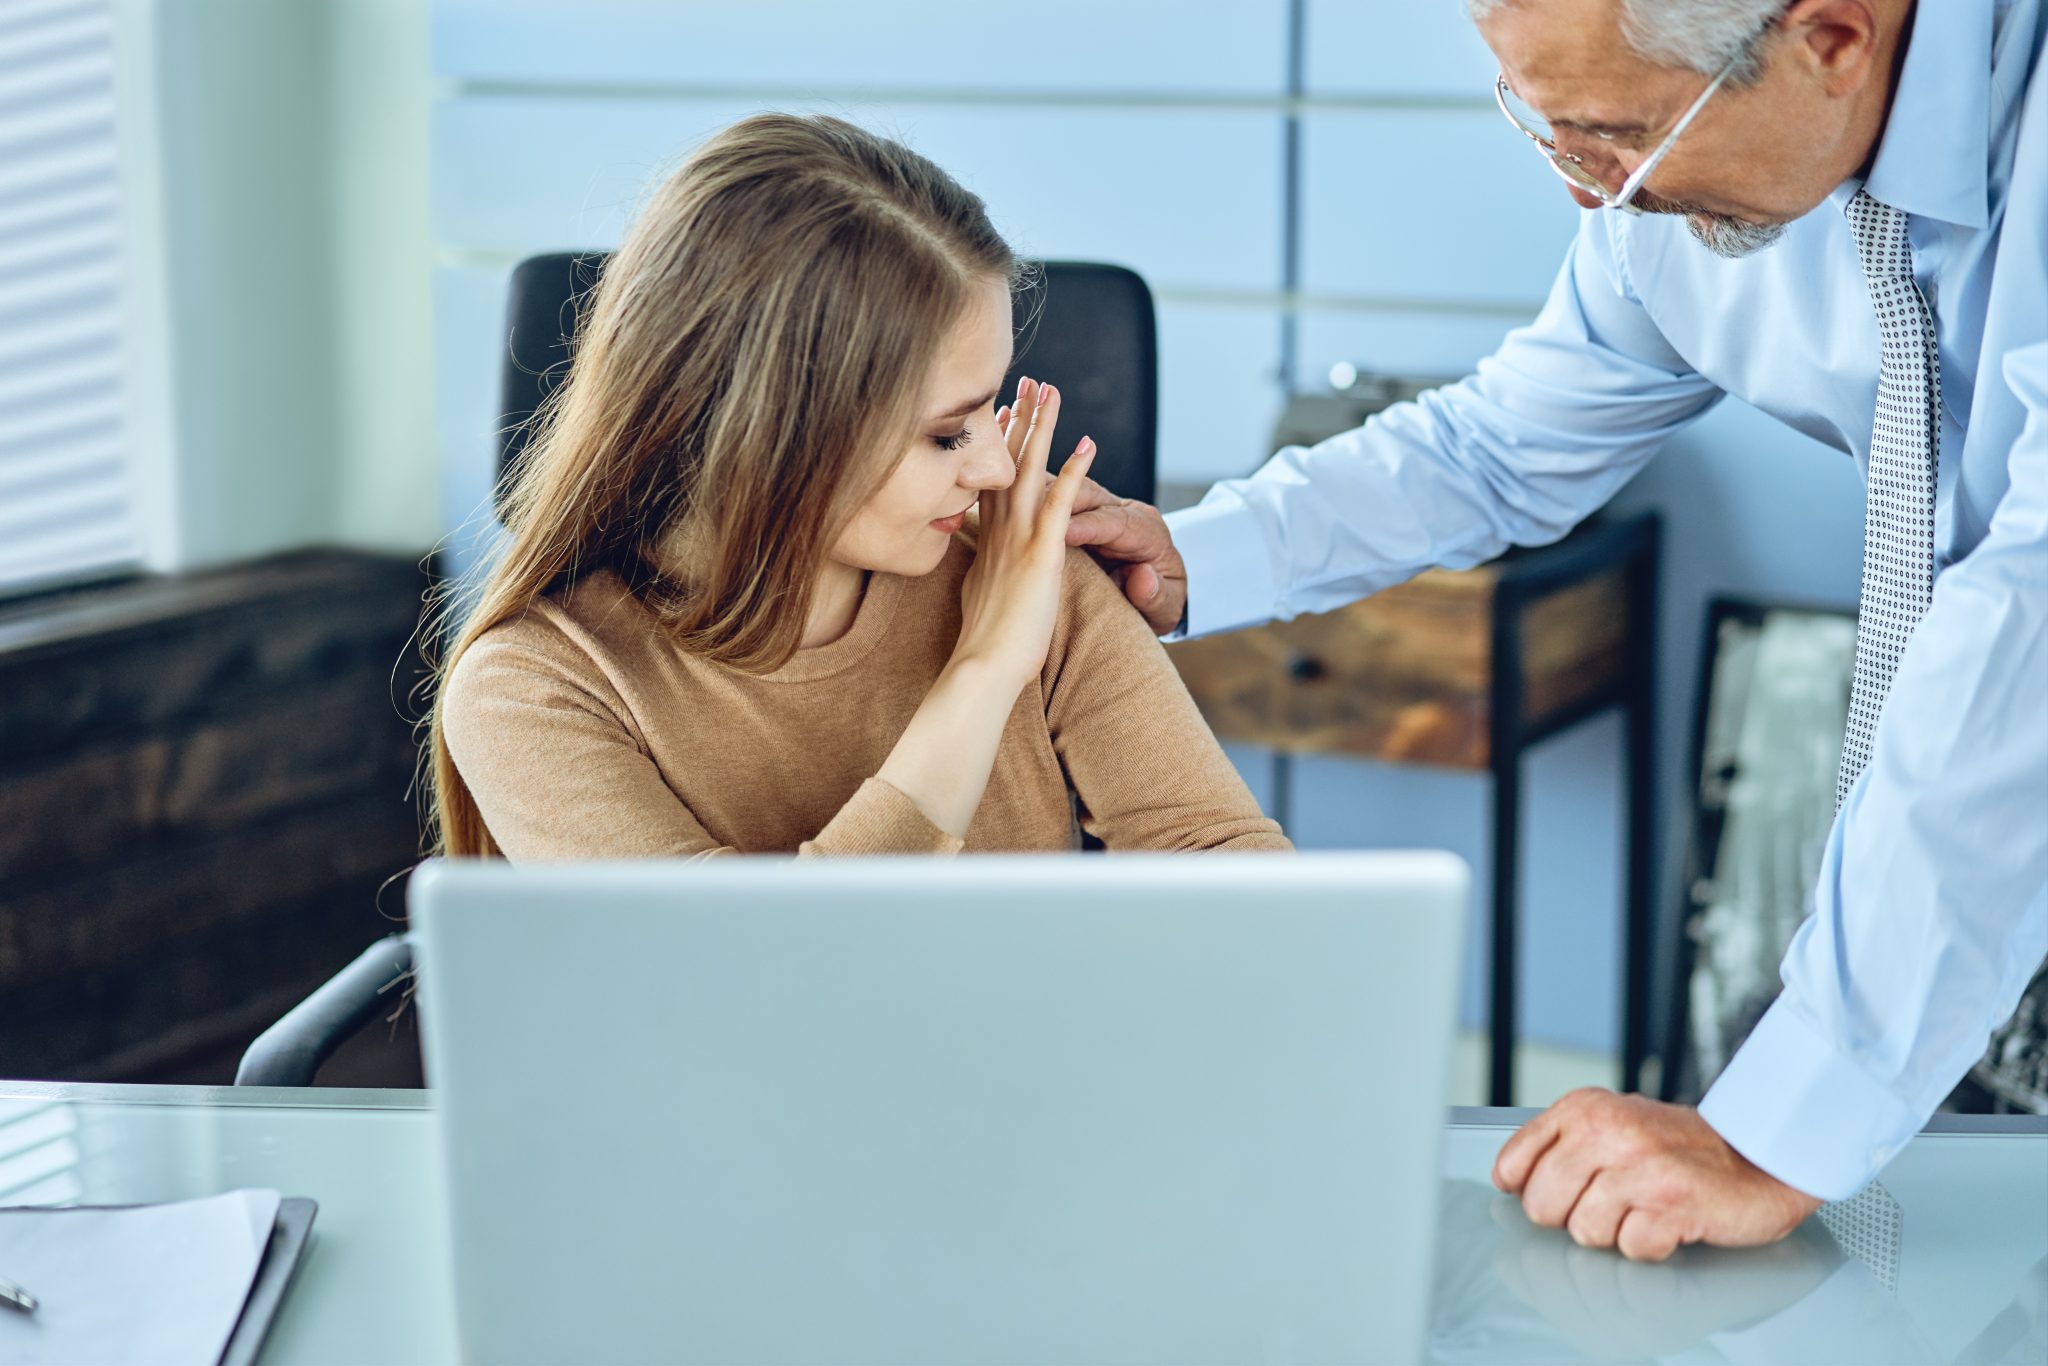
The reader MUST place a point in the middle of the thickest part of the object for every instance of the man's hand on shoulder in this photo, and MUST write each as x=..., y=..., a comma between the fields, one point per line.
x=1645, y=1177
x=1131, y=540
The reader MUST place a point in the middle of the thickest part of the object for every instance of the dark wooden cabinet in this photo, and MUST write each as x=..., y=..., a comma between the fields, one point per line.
x=204, y=788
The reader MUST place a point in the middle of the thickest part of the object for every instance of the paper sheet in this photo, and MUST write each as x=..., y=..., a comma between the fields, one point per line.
x=156, y=1283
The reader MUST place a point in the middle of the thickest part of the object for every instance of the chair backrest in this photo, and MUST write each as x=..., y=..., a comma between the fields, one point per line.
x=1089, y=329
x=543, y=307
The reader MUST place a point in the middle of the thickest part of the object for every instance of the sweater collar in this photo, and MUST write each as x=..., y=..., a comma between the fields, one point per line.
x=870, y=625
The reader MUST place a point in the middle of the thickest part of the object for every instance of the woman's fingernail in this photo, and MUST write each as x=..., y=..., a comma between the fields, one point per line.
x=1024, y=388
x=1087, y=446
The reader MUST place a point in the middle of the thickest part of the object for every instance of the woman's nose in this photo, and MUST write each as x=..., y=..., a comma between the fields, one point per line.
x=989, y=467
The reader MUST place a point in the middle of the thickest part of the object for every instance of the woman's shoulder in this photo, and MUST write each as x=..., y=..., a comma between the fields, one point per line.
x=1096, y=622
x=574, y=638
x=596, y=615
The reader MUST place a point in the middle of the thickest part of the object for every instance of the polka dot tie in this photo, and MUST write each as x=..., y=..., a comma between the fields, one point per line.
x=1905, y=446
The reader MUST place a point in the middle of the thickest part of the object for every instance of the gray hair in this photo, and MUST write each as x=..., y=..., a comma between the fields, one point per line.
x=1700, y=35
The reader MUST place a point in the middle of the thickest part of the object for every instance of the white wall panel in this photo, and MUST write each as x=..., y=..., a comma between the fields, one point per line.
x=1219, y=389
x=1189, y=198
x=1403, y=47
x=1447, y=205
x=1137, y=46
x=516, y=174
x=1395, y=341
x=522, y=174
x=469, y=346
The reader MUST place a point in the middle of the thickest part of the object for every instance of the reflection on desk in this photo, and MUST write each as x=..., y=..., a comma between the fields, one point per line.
x=1965, y=1281
x=1970, y=1284
x=1501, y=1279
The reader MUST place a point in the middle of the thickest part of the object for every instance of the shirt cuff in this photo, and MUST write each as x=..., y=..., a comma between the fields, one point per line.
x=1793, y=1104
x=1230, y=568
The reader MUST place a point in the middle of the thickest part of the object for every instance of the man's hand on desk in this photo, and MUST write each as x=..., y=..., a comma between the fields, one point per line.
x=1131, y=540
x=1642, y=1176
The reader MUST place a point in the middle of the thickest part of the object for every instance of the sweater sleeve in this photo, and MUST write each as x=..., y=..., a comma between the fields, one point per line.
x=559, y=770
x=1146, y=770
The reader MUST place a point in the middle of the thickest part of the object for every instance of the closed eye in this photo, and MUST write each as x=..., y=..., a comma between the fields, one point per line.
x=955, y=441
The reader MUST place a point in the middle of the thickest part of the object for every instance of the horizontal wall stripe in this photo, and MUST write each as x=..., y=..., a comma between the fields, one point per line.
x=940, y=44
x=1022, y=99
x=500, y=258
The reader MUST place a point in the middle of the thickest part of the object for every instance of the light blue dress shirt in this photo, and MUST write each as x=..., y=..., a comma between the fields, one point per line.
x=1931, y=912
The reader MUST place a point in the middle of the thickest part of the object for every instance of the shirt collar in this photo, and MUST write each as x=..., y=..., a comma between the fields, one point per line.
x=1933, y=157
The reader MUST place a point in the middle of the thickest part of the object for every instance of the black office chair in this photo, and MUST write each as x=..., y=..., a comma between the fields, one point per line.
x=1088, y=329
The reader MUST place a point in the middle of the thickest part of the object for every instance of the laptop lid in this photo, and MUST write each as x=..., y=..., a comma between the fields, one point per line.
x=1029, y=1109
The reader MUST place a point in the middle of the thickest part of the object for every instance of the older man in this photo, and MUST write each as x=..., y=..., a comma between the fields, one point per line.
x=1837, y=210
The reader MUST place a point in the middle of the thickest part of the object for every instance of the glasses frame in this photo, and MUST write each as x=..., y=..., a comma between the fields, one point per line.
x=1573, y=172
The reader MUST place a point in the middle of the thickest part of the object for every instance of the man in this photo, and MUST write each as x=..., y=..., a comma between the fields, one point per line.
x=1843, y=219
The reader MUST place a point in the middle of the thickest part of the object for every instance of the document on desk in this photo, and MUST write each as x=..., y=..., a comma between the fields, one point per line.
x=156, y=1283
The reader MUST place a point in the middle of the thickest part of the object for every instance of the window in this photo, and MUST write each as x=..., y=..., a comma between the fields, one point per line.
x=66, y=495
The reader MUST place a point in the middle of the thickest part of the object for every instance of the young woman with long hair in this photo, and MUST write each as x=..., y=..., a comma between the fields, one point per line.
x=742, y=606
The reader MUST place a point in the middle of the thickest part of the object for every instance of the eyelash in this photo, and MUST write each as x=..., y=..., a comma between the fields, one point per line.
x=955, y=441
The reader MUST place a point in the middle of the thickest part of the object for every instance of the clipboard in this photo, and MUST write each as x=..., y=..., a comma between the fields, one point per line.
x=288, y=1239
x=274, y=1274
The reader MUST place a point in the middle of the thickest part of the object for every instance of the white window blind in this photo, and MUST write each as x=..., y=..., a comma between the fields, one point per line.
x=65, y=489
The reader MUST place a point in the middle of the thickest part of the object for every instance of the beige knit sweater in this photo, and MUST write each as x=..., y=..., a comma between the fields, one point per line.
x=583, y=732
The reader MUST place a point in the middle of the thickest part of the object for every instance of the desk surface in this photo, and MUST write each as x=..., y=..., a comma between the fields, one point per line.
x=1947, y=1262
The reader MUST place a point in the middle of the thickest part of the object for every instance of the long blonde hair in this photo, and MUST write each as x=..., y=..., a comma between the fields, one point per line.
x=746, y=375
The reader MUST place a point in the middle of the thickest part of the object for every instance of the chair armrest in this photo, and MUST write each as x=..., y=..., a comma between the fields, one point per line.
x=290, y=1052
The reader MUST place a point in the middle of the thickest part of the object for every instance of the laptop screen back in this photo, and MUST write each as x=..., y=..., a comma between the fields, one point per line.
x=1139, y=1108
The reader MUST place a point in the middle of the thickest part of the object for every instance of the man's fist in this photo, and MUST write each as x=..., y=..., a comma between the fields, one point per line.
x=1642, y=1176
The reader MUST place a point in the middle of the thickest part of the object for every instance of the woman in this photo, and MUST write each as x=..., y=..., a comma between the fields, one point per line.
x=743, y=607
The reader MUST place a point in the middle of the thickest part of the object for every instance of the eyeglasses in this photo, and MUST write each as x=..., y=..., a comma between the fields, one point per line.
x=1571, y=169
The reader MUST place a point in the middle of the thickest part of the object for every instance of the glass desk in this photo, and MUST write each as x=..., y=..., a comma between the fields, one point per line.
x=1945, y=1261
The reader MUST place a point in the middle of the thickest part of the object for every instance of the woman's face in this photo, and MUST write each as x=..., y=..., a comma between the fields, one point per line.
x=958, y=451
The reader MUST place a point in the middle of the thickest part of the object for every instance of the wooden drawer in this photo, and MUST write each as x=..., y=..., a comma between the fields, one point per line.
x=1408, y=674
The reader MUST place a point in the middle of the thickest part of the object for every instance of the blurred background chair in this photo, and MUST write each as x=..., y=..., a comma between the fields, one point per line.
x=1089, y=329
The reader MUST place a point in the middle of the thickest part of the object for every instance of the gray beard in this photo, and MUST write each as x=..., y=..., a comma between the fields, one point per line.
x=1731, y=237
x=1717, y=232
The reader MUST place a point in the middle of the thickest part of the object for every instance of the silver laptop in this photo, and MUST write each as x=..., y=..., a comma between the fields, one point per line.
x=1017, y=1109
